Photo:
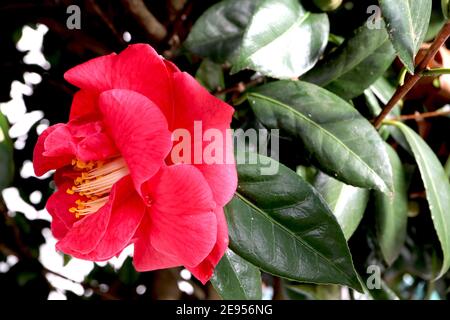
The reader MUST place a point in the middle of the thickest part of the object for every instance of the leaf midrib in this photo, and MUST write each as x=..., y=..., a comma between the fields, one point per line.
x=257, y=95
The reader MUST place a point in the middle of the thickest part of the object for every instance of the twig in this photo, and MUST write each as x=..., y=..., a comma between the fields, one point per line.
x=419, y=116
x=178, y=30
x=240, y=87
x=154, y=29
x=412, y=80
x=106, y=21
x=175, y=6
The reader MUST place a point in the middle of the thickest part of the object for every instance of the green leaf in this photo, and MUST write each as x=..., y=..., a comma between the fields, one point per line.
x=355, y=65
x=344, y=144
x=447, y=167
x=437, y=188
x=392, y=212
x=282, y=225
x=66, y=259
x=236, y=279
x=348, y=203
x=210, y=75
x=407, y=23
x=6, y=154
x=283, y=40
x=218, y=33
x=127, y=274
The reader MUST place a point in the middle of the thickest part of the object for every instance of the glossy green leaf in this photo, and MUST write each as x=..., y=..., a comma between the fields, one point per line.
x=355, y=65
x=210, y=75
x=407, y=23
x=283, y=40
x=437, y=188
x=392, y=212
x=218, y=33
x=236, y=279
x=344, y=144
x=447, y=167
x=6, y=154
x=283, y=226
x=348, y=203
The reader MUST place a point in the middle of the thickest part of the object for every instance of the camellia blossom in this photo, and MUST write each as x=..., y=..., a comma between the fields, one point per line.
x=116, y=182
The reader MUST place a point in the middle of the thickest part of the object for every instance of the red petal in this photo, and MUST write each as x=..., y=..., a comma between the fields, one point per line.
x=205, y=269
x=222, y=178
x=171, y=67
x=61, y=143
x=127, y=212
x=138, y=68
x=59, y=229
x=86, y=233
x=194, y=103
x=58, y=206
x=94, y=75
x=84, y=103
x=183, y=223
x=139, y=131
x=147, y=258
x=43, y=163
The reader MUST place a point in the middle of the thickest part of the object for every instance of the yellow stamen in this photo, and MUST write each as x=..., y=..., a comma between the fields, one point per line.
x=95, y=183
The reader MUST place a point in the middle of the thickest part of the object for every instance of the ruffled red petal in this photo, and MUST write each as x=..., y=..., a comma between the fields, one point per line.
x=182, y=219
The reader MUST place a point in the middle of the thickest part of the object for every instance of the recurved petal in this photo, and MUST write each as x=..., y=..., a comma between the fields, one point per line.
x=182, y=219
x=147, y=258
x=127, y=212
x=138, y=129
x=138, y=68
x=44, y=162
x=193, y=104
x=205, y=269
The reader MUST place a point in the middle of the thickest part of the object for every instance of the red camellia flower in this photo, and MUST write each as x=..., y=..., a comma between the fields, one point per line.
x=116, y=182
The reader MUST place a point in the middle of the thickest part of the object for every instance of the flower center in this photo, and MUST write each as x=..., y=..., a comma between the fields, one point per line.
x=95, y=183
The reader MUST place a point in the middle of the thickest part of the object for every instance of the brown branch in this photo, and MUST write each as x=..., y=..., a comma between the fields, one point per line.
x=77, y=40
x=179, y=29
x=412, y=80
x=240, y=87
x=106, y=21
x=174, y=7
x=420, y=116
x=154, y=29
